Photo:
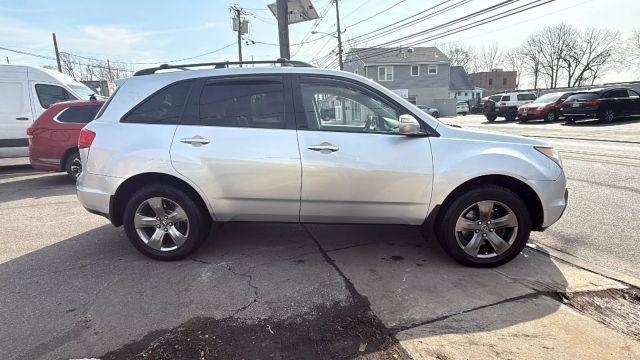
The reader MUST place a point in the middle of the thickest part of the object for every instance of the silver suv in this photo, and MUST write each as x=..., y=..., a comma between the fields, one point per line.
x=173, y=151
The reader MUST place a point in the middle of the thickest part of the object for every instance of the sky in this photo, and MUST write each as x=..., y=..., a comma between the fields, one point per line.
x=156, y=31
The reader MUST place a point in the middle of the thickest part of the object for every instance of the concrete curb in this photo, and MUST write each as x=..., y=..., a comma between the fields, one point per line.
x=583, y=264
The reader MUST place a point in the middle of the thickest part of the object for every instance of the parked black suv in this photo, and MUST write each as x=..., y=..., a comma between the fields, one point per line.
x=605, y=104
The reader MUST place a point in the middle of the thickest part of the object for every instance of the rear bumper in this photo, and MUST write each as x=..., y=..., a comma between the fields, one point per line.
x=579, y=113
x=94, y=192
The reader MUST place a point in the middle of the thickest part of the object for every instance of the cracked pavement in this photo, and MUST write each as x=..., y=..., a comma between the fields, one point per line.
x=73, y=287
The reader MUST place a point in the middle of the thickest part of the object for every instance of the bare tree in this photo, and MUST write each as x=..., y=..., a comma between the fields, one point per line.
x=551, y=44
x=633, y=49
x=592, y=51
x=531, y=59
x=514, y=60
x=489, y=57
x=461, y=55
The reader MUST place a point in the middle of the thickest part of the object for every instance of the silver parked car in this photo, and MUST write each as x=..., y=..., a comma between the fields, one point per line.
x=429, y=110
x=170, y=152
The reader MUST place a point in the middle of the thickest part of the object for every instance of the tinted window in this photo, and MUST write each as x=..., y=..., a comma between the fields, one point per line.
x=342, y=107
x=163, y=107
x=583, y=96
x=616, y=94
x=78, y=114
x=506, y=98
x=495, y=98
x=632, y=93
x=526, y=97
x=51, y=94
x=243, y=104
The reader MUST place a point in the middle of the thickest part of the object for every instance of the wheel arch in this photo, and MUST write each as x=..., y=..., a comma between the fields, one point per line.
x=524, y=191
x=65, y=156
x=132, y=184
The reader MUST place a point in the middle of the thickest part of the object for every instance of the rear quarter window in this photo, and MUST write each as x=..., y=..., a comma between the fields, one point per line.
x=495, y=98
x=163, y=107
x=78, y=114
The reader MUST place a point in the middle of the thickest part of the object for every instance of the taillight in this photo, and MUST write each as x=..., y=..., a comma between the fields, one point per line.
x=594, y=102
x=31, y=131
x=86, y=138
x=503, y=104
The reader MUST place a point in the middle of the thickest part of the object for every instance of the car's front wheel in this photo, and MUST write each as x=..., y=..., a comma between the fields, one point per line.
x=552, y=116
x=164, y=222
x=485, y=227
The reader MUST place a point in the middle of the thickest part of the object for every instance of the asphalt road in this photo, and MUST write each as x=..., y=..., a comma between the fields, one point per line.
x=602, y=162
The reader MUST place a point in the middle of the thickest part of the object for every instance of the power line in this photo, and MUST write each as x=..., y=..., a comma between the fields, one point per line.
x=374, y=15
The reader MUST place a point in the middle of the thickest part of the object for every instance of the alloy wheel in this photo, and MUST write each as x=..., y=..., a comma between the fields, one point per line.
x=609, y=116
x=161, y=224
x=486, y=229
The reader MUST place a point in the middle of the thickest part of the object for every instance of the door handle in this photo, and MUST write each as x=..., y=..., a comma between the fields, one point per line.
x=195, y=141
x=324, y=146
x=22, y=118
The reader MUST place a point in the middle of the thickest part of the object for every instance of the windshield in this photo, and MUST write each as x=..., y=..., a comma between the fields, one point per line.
x=81, y=90
x=548, y=98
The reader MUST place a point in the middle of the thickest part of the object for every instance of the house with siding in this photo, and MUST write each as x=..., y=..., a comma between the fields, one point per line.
x=419, y=74
x=462, y=88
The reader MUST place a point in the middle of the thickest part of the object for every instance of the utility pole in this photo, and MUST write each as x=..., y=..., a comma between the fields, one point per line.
x=242, y=26
x=8, y=60
x=55, y=46
x=283, y=28
x=339, y=34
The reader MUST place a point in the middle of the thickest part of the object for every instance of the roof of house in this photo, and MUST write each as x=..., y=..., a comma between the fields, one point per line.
x=411, y=55
x=459, y=80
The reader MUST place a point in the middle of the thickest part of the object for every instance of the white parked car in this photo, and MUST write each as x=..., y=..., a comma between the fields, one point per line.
x=26, y=92
x=430, y=110
x=171, y=152
x=506, y=105
x=462, y=107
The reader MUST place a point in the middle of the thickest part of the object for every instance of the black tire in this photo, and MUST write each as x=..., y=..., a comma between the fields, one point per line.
x=436, y=114
x=552, y=116
x=73, y=165
x=199, y=222
x=607, y=116
x=511, y=115
x=569, y=120
x=446, y=226
x=491, y=118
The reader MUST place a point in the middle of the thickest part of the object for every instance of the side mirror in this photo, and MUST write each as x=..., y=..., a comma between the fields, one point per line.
x=409, y=125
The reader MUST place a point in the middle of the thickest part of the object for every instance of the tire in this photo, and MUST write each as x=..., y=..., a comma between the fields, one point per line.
x=607, y=116
x=491, y=118
x=464, y=114
x=552, y=116
x=73, y=165
x=453, y=241
x=511, y=115
x=436, y=114
x=189, y=235
x=569, y=120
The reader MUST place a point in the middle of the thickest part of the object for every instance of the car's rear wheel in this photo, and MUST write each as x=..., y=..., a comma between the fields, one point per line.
x=569, y=120
x=73, y=165
x=164, y=222
x=607, y=116
x=551, y=116
x=485, y=227
x=436, y=114
x=491, y=118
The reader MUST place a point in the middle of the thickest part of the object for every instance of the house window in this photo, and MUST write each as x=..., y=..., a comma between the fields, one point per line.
x=385, y=73
x=490, y=81
x=466, y=94
x=413, y=100
x=415, y=70
x=355, y=71
x=504, y=81
x=432, y=70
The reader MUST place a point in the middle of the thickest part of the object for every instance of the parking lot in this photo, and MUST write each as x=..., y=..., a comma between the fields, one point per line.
x=74, y=287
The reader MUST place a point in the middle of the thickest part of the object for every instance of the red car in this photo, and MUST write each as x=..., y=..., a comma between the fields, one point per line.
x=53, y=137
x=545, y=107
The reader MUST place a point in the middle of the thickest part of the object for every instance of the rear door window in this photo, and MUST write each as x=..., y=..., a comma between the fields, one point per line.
x=255, y=103
x=78, y=114
x=506, y=98
x=616, y=94
x=163, y=107
x=526, y=97
x=51, y=94
x=583, y=97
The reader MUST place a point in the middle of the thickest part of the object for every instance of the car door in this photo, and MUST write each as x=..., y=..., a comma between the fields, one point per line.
x=617, y=101
x=15, y=117
x=238, y=144
x=355, y=165
x=634, y=102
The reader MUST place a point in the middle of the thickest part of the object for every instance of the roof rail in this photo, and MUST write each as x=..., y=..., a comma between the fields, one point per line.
x=220, y=65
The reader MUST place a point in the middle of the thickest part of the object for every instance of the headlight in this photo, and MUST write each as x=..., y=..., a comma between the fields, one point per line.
x=541, y=107
x=551, y=153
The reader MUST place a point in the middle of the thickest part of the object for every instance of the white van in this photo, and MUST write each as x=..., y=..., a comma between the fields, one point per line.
x=25, y=93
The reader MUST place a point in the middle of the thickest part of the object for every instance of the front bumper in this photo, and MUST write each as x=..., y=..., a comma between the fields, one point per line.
x=531, y=114
x=553, y=196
